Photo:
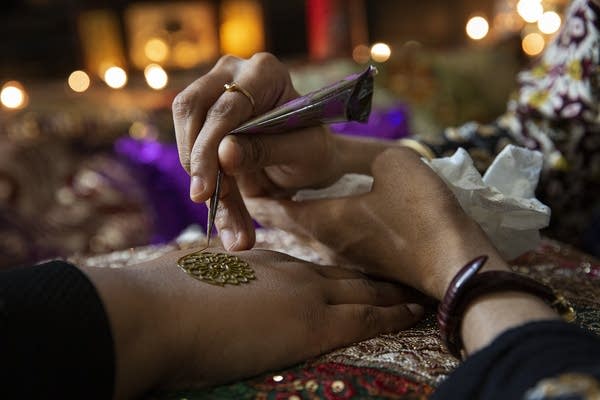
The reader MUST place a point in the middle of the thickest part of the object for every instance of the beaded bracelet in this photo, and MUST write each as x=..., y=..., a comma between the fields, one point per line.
x=467, y=285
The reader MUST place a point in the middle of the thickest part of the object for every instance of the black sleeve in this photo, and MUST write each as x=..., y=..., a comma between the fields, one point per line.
x=55, y=338
x=518, y=360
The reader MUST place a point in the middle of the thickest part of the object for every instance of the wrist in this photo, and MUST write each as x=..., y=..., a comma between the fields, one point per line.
x=458, y=249
x=489, y=316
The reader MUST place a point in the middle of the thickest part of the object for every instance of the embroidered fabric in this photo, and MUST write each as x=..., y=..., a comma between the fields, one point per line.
x=414, y=356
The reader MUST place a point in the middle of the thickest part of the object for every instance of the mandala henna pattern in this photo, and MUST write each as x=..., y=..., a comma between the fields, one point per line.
x=216, y=268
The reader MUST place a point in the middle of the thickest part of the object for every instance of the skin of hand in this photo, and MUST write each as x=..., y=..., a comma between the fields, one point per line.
x=274, y=165
x=409, y=228
x=171, y=330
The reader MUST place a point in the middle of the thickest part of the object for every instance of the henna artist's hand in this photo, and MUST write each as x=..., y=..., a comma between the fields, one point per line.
x=266, y=165
x=255, y=165
x=172, y=330
x=410, y=227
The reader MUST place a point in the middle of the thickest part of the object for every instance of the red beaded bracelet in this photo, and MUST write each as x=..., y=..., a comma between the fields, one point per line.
x=467, y=285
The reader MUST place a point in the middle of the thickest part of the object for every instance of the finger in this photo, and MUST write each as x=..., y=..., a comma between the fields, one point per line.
x=354, y=322
x=190, y=108
x=282, y=214
x=320, y=219
x=258, y=184
x=229, y=111
x=244, y=153
x=233, y=221
x=336, y=272
x=368, y=291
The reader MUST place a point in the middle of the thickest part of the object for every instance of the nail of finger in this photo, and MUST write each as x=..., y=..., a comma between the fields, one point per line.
x=197, y=188
x=416, y=309
x=228, y=238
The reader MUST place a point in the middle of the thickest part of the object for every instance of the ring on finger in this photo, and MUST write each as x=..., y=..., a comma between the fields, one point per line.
x=235, y=87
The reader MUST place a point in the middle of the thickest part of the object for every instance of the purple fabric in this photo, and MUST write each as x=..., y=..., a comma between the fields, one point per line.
x=390, y=123
x=156, y=165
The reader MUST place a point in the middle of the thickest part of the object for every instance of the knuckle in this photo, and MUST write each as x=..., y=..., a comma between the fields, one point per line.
x=367, y=287
x=193, y=160
x=227, y=60
x=265, y=59
x=369, y=317
x=312, y=317
x=195, y=156
x=183, y=104
x=224, y=108
x=185, y=160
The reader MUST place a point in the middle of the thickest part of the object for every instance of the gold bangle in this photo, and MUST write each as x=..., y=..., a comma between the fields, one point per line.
x=417, y=146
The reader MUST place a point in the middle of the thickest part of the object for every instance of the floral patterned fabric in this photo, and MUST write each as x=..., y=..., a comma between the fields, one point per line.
x=556, y=111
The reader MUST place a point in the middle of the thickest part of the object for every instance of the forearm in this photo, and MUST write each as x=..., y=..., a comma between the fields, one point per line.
x=142, y=349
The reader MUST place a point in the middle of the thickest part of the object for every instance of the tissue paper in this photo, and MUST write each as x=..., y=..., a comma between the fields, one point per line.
x=502, y=201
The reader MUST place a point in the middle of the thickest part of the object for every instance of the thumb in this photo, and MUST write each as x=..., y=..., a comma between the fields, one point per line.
x=250, y=152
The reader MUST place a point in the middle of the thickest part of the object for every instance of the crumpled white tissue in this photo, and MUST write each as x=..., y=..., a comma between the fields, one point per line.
x=502, y=201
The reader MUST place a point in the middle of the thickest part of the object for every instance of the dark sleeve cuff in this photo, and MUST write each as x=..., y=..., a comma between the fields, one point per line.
x=518, y=359
x=55, y=338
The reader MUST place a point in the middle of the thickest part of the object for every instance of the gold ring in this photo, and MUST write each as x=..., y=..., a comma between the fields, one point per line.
x=235, y=87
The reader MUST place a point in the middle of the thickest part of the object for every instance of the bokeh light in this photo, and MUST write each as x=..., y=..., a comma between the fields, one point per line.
x=156, y=50
x=242, y=30
x=380, y=52
x=13, y=95
x=530, y=10
x=186, y=54
x=361, y=54
x=79, y=81
x=549, y=23
x=115, y=77
x=477, y=28
x=156, y=76
x=533, y=44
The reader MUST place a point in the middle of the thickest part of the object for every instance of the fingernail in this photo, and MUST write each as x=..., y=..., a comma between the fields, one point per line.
x=228, y=238
x=196, y=187
x=416, y=309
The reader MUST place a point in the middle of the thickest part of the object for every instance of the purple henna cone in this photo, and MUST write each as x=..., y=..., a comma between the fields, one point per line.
x=346, y=100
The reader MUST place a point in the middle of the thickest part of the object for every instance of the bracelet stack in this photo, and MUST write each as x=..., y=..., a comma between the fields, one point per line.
x=467, y=285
